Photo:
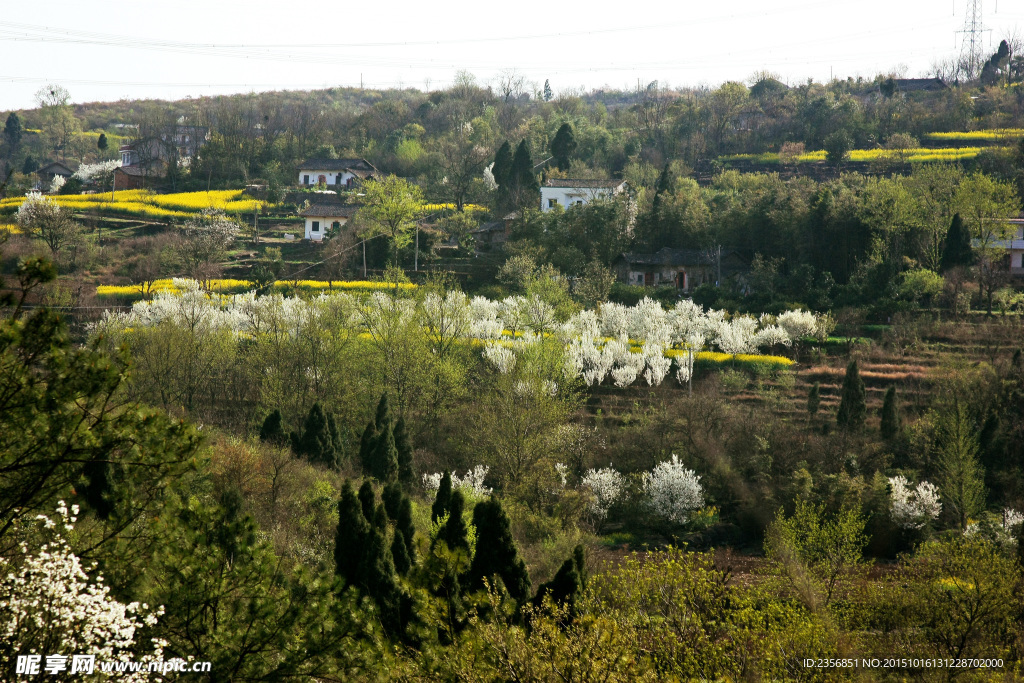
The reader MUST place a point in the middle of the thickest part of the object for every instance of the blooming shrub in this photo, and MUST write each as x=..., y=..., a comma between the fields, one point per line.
x=472, y=484
x=913, y=508
x=50, y=601
x=673, y=491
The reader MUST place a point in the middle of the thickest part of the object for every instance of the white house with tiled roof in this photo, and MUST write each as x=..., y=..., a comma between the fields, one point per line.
x=323, y=218
x=335, y=172
x=567, y=192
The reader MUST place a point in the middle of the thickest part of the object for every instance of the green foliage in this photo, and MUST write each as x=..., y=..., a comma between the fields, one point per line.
x=353, y=529
x=400, y=553
x=813, y=551
x=852, y=403
x=454, y=532
x=961, y=477
x=403, y=445
x=368, y=500
x=392, y=497
x=384, y=458
x=101, y=142
x=892, y=423
x=921, y=286
x=13, y=130
x=837, y=147
x=404, y=525
x=272, y=430
x=496, y=553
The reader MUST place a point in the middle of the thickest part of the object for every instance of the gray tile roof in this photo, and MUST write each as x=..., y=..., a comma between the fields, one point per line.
x=582, y=182
x=329, y=210
x=357, y=166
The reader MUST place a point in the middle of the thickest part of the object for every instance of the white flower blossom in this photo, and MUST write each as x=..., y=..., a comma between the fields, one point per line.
x=673, y=491
x=606, y=486
x=913, y=508
x=471, y=484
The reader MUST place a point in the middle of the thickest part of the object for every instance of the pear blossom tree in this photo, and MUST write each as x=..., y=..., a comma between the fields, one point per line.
x=672, y=491
x=605, y=486
x=913, y=508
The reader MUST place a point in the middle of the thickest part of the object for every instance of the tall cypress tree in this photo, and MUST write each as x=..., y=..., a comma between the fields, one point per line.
x=272, y=430
x=496, y=552
x=852, y=405
x=384, y=459
x=502, y=169
x=316, y=443
x=366, y=444
x=392, y=496
x=406, y=473
x=400, y=553
x=891, y=422
x=523, y=181
x=351, y=535
x=367, y=500
x=101, y=142
x=442, y=499
x=383, y=415
x=455, y=533
x=13, y=131
x=957, y=251
x=563, y=146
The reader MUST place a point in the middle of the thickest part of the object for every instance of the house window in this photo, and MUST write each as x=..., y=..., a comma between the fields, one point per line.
x=552, y=203
x=305, y=180
x=316, y=226
x=579, y=202
x=336, y=225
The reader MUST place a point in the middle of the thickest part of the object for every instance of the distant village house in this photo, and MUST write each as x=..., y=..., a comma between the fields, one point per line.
x=684, y=269
x=566, y=192
x=336, y=172
x=323, y=217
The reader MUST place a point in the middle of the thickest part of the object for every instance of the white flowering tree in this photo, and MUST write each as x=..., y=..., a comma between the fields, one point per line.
x=44, y=218
x=101, y=173
x=472, y=484
x=50, y=606
x=913, y=508
x=672, y=491
x=605, y=487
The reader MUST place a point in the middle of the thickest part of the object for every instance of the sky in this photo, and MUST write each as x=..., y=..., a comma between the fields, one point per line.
x=113, y=49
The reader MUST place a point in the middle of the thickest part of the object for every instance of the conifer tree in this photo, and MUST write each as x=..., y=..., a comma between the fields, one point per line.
x=400, y=553
x=383, y=415
x=852, y=405
x=957, y=251
x=442, y=499
x=563, y=146
x=350, y=539
x=377, y=573
x=366, y=444
x=455, y=533
x=548, y=94
x=405, y=525
x=961, y=477
x=406, y=473
x=568, y=583
x=392, y=496
x=891, y=422
x=13, y=130
x=316, y=443
x=367, y=500
x=496, y=552
x=384, y=459
x=814, y=399
x=101, y=142
x=502, y=169
x=272, y=430
x=523, y=181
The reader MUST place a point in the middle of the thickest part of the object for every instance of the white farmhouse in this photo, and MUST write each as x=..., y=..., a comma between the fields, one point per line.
x=1014, y=246
x=567, y=192
x=335, y=172
x=320, y=218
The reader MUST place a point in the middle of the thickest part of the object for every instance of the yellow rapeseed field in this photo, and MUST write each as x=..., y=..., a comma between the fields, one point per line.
x=227, y=286
x=989, y=134
x=915, y=155
x=146, y=204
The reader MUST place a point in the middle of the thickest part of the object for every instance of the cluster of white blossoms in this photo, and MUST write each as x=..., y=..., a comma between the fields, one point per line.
x=472, y=484
x=99, y=171
x=50, y=602
x=621, y=344
x=912, y=508
x=605, y=486
x=673, y=491
x=1011, y=520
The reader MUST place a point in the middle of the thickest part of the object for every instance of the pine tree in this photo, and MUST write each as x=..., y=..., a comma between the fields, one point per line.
x=405, y=525
x=101, y=142
x=377, y=572
x=548, y=95
x=383, y=415
x=522, y=180
x=563, y=146
x=496, y=552
x=406, y=473
x=891, y=422
x=367, y=500
x=272, y=430
x=957, y=251
x=455, y=533
x=316, y=443
x=814, y=399
x=392, y=496
x=852, y=405
x=366, y=445
x=961, y=477
x=400, y=553
x=350, y=539
x=30, y=165
x=384, y=459
x=567, y=586
x=443, y=498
